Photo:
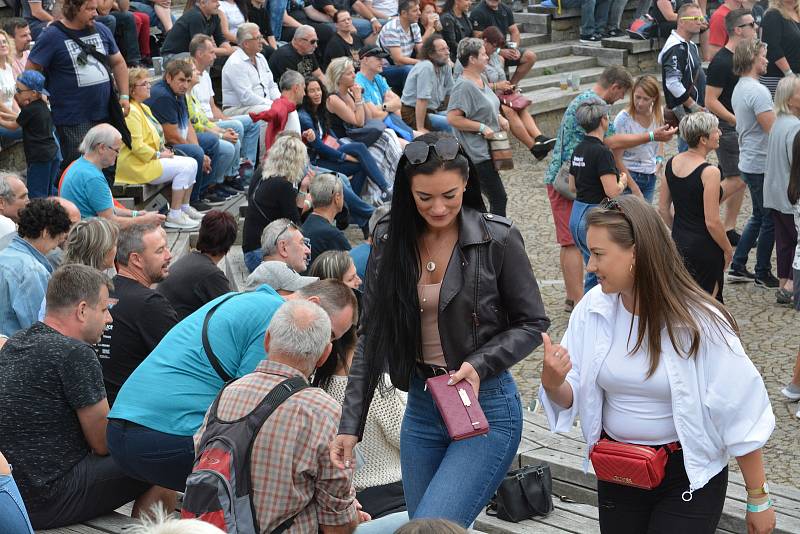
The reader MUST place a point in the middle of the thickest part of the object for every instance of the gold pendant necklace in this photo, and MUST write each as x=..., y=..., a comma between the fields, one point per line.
x=431, y=265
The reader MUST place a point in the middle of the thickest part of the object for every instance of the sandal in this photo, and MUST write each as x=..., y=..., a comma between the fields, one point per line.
x=569, y=305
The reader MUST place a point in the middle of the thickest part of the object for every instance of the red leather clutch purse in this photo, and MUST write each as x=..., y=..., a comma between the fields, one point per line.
x=639, y=466
x=460, y=411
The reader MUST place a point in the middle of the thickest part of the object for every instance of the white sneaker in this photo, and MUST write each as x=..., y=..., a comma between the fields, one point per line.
x=193, y=213
x=791, y=392
x=797, y=414
x=181, y=221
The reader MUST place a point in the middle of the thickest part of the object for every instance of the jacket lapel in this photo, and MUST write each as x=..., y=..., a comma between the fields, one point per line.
x=472, y=230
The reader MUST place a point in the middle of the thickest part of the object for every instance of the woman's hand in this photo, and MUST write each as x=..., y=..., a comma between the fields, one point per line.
x=728, y=257
x=488, y=133
x=230, y=135
x=468, y=373
x=342, y=450
x=309, y=136
x=504, y=86
x=556, y=364
x=166, y=153
x=350, y=158
x=504, y=124
x=760, y=522
x=356, y=91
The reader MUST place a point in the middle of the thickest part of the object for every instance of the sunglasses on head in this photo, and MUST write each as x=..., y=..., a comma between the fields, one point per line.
x=418, y=151
x=611, y=204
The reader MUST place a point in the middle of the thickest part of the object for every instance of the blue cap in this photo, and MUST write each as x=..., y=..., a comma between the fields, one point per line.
x=34, y=80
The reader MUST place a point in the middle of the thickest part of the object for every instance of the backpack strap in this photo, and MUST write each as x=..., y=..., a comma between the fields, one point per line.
x=212, y=358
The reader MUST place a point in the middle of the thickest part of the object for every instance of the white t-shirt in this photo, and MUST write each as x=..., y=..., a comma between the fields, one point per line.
x=636, y=409
x=641, y=158
x=204, y=92
x=7, y=230
x=8, y=85
x=387, y=7
x=233, y=14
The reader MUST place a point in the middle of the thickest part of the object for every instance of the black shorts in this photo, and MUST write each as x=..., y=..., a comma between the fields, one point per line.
x=95, y=486
x=728, y=152
x=515, y=62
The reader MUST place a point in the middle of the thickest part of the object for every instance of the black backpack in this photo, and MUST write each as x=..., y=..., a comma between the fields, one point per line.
x=219, y=489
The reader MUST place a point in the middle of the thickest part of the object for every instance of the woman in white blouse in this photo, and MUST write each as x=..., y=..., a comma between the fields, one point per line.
x=8, y=85
x=651, y=359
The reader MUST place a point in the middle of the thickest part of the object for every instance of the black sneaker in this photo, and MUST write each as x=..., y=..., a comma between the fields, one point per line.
x=213, y=199
x=768, y=282
x=235, y=183
x=733, y=237
x=591, y=39
x=226, y=190
x=784, y=296
x=616, y=32
x=386, y=197
x=200, y=206
x=736, y=274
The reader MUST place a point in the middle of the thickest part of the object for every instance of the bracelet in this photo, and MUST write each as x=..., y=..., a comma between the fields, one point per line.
x=360, y=103
x=788, y=72
x=373, y=19
x=659, y=160
x=134, y=213
x=755, y=508
x=124, y=97
x=481, y=128
x=652, y=136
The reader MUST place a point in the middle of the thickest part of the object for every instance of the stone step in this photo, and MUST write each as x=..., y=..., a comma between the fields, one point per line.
x=589, y=75
x=551, y=50
x=533, y=22
x=632, y=46
x=554, y=99
x=528, y=40
x=568, y=13
x=562, y=64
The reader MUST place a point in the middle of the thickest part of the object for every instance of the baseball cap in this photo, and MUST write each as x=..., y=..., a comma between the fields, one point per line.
x=372, y=51
x=33, y=80
x=278, y=275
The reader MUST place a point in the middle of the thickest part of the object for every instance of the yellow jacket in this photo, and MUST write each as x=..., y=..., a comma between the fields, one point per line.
x=138, y=165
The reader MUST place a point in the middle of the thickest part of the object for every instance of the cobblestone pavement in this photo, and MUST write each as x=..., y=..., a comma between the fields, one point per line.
x=770, y=333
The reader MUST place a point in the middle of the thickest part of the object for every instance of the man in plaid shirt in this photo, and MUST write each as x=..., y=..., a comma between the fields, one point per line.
x=291, y=470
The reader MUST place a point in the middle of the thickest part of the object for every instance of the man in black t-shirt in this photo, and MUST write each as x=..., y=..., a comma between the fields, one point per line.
x=298, y=55
x=328, y=199
x=720, y=82
x=53, y=408
x=202, y=18
x=497, y=14
x=141, y=315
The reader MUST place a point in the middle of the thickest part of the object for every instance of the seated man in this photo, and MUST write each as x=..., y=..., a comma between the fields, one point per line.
x=214, y=156
x=19, y=30
x=297, y=13
x=282, y=115
x=84, y=184
x=379, y=98
x=13, y=197
x=427, y=89
x=123, y=25
x=141, y=315
x=279, y=276
x=298, y=55
x=162, y=404
x=283, y=241
x=496, y=13
x=367, y=26
x=327, y=197
x=293, y=445
x=203, y=17
x=53, y=410
x=247, y=83
x=402, y=38
x=38, y=13
x=24, y=268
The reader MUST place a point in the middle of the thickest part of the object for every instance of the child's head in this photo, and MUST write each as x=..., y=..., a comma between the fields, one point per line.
x=30, y=87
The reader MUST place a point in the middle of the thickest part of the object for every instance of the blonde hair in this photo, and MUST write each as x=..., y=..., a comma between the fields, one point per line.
x=652, y=88
x=12, y=50
x=89, y=242
x=335, y=71
x=784, y=11
x=287, y=157
x=134, y=75
x=158, y=522
x=745, y=55
x=694, y=126
x=787, y=87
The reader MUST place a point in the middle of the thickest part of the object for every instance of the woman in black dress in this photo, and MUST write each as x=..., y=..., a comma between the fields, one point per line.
x=693, y=188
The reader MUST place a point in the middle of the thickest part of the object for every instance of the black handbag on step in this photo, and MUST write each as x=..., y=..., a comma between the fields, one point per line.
x=523, y=494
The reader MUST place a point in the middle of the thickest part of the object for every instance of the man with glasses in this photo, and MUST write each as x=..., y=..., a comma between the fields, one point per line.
x=740, y=26
x=298, y=55
x=283, y=241
x=681, y=65
x=247, y=82
x=162, y=404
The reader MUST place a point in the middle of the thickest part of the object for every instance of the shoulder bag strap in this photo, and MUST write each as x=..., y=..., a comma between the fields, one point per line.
x=212, y=358
x=85, y=47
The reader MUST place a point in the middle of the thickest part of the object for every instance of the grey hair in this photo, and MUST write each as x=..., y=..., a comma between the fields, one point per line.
x=6, y=192
x=696, y=125
x=323, y=188
x=303, y=31
x=246, y=31
x=787, y=87
x=287, y=157
x=590, y=113
x=279, y=228
x=468, y=47
x=158, y=521
x=289, y=79
x=131, y=240
x=335, y=71
x=89, y=241
x=102, y=134
x=74, y=283
x=300, y=330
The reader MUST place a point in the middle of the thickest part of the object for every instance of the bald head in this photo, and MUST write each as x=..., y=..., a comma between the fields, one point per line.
x=13, y=195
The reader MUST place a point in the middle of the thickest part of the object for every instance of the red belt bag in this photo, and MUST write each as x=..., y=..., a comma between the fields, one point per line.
x=627, y=464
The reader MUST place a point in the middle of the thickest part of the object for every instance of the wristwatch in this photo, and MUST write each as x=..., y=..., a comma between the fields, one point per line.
x=383, y=107
x=759, y=491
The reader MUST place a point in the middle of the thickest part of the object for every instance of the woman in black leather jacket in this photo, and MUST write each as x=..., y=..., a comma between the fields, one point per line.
x=448, y=288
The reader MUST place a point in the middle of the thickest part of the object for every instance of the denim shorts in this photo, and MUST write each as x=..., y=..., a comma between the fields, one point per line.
x=13, y=517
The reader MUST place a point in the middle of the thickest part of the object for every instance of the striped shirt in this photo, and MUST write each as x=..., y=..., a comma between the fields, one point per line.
x=393, y=34
x=290, y=465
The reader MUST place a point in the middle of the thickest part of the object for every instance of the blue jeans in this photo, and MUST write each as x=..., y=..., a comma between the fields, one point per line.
x=396, y=76
x=646, y=182
x=149, y=455
x=10, y=135
x=359, y=211
x=759, y=227
x=202, y=180
x=439, y=122
x=147, y=8
x=109, y=21
x=13, y=516
x=43, y=178
x=248, y=140
x=221, y=153
x=577, y=227
x=253, y=259
x=366, y=167
x=237, y=127
x=594, y=14
x=455, y=479
x=276, y=10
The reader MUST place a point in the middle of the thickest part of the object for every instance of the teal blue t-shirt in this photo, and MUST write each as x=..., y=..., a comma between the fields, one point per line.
x=373, y=90
x=85, y=185
x=174, y=386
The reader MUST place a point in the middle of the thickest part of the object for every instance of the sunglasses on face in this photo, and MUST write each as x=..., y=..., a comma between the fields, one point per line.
x=418, y=151
x=696, y=18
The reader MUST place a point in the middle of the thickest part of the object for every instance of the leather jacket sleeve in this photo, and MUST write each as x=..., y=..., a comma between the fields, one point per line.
x=522, y=303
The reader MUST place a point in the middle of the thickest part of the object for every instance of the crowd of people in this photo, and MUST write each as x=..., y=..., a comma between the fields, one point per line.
x=120, y=366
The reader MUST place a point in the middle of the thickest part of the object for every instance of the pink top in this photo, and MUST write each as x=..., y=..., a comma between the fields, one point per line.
x=432, y=353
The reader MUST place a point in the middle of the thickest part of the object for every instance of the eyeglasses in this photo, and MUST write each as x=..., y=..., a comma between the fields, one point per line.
x=116, y=150
x=18, y=90
x=311, y=41
x=696, y=18
x=751, y=24
x=417, y=152
x=293, y=226
x=145, y=83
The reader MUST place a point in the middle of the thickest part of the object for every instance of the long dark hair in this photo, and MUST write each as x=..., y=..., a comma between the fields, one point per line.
x=319, y=115
x=794, y=174
x=393, y=332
